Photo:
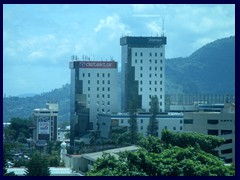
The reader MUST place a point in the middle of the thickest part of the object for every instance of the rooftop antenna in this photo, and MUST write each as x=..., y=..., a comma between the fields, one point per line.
x=163, y=26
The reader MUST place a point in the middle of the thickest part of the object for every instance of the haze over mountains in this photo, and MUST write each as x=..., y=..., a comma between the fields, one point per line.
x=209, y=70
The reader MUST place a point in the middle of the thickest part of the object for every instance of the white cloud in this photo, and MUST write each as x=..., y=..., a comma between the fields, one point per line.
x=155, y=28
x=36, y=55
x=113, y=25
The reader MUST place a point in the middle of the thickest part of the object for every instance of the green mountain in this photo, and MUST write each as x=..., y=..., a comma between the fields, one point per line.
x=209, y=70
x=23, y=106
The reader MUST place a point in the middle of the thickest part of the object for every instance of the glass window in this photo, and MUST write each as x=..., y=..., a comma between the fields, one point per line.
x=108, y=95
x=161, y=54
x=97, y=95
x=155, y=54
x=160, y=68
x=141, y=120
x=88, y=81
x=108, y=88
x=108, y=81
x=150, y=60
x=141, y=68
x=135, y=54
x=97, y=74
x=97, y=88
x=97, y=81
x=135, y=60
x=226, y=151
x=140, y=89
x=174, y=128
x=150, y=82
x=150, y=68
x=141, y=75
x=155, y=68
x=228, y=141
x=188, y=121
x=226, y=132
x=212, y=121
x=88, y=88
x=83, y=74
x=103, y=74
x=213, y=132
x=103, y=95
x=141, y=61
x=141, y=127
x=88, y=74
x=155, y=82
x=102, y=81
x=108, y=103
x=150, y=54
x=108, y=74
x=140, y=82
x=150, y=75
x=155, y=61
x=102, y=88
x=141, y=54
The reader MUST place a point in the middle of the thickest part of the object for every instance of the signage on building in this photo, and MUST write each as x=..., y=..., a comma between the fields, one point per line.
x=43, y=125
x=97, y=64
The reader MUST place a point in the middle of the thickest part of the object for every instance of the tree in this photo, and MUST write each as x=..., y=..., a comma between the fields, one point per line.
x=205, y=142
x=133, y=123
x=37, y=166
x=161, y=160
x=6, y=156
x=153, y=123
x=20, y=128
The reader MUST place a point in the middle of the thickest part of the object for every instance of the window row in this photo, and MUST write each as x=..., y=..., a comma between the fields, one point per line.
x=98, y=95
x=98, y=75
x=151, y=89
x=141, y=75
x=103, y=110
x=103, y=103
x=150, y=61
x=102, y=89
x=149, y=54
x=150, y=68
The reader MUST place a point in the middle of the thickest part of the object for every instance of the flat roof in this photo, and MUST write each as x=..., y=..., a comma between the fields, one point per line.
x=114, y=152
x=55, y=171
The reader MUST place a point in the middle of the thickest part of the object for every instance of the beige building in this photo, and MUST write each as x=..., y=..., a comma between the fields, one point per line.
x=210, y=121
x=45, y=123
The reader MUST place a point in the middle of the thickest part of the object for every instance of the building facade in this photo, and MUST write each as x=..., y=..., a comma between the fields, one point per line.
x=45, y=123
x=110, y=122
x=211, y=121
x=94, y=89
x=143, y=71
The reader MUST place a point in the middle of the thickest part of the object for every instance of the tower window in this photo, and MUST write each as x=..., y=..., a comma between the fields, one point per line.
x=155, y=54
x=161, y=54
x=83, y=74
x=141, y=68
x=135, y=54
x=141, y=61
x=97, y=74
x=141, y=54
x=150, y=54
x=88, y=74
x=108, y=74
x=88, y=88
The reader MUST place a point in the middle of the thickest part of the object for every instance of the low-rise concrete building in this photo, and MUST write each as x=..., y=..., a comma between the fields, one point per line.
x=110, y=122
x=84, y=162
x=211, y=120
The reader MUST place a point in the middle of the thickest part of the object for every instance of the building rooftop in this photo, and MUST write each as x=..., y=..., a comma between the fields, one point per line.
x=114, y=152
x=55, y=171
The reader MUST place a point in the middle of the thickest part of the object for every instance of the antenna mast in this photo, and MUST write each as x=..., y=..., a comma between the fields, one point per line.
x=163, y=26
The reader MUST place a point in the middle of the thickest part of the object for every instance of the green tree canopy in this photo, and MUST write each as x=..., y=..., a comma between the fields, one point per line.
x=206, y=142
x=158, y=159
x=37, y=166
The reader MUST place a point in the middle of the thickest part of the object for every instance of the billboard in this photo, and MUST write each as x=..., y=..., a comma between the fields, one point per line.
x=93, y=64
x=43, y=125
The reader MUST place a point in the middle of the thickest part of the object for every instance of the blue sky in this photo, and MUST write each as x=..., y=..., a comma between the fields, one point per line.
x=38, y=40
